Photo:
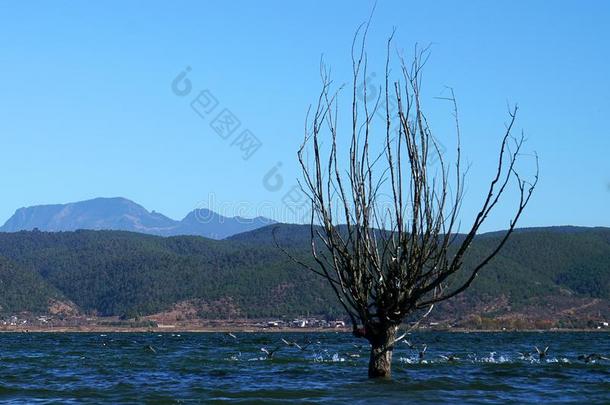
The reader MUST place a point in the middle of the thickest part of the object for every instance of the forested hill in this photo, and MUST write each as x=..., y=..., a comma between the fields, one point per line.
x=549, y=273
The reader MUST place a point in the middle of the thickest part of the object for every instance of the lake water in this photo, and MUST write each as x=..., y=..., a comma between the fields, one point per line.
x=214, y=367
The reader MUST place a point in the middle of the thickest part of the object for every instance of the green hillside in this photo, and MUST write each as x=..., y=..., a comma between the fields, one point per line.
x=547, y=270
x=120, y=273
x=22, y=289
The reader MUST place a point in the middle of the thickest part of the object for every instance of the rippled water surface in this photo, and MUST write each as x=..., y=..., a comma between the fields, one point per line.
x=194, y=368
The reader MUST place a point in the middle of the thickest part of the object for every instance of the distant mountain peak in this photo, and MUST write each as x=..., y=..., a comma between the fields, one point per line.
x=119, y=213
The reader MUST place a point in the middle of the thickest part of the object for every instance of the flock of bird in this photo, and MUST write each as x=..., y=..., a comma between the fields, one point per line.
x=541, y=354
x=420, y=351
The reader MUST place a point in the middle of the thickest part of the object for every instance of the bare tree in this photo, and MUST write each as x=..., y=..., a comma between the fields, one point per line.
x=394, y=253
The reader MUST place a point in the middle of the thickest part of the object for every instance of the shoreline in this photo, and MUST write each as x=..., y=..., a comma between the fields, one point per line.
x=104, y=329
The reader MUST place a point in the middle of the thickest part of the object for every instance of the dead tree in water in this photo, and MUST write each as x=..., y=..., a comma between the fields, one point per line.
x=397, y=255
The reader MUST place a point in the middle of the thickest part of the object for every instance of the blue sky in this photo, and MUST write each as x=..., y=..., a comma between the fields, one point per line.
x=87, y=108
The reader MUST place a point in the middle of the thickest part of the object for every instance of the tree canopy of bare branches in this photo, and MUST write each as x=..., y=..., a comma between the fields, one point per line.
x=386, y=204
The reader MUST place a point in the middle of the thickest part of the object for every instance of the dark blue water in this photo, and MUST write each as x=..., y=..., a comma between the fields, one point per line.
x=203, y=368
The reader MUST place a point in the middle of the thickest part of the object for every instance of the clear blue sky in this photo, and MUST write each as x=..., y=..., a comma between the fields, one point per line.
x=87, y=110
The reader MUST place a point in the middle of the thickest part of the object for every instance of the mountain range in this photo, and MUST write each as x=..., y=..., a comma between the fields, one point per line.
x=124, y=215
x=544, y=277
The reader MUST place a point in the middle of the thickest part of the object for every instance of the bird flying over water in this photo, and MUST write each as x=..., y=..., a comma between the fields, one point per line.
x=542, y=353
x=307, y=344
x=270, y=353
x=592, y=357
x=292, y=344
x=422, y=352
x=302, y=346
x=451, y=358
x=525, y=355
x=151, y=349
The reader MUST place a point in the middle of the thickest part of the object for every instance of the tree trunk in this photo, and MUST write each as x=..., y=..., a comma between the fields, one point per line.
x=382, y=347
